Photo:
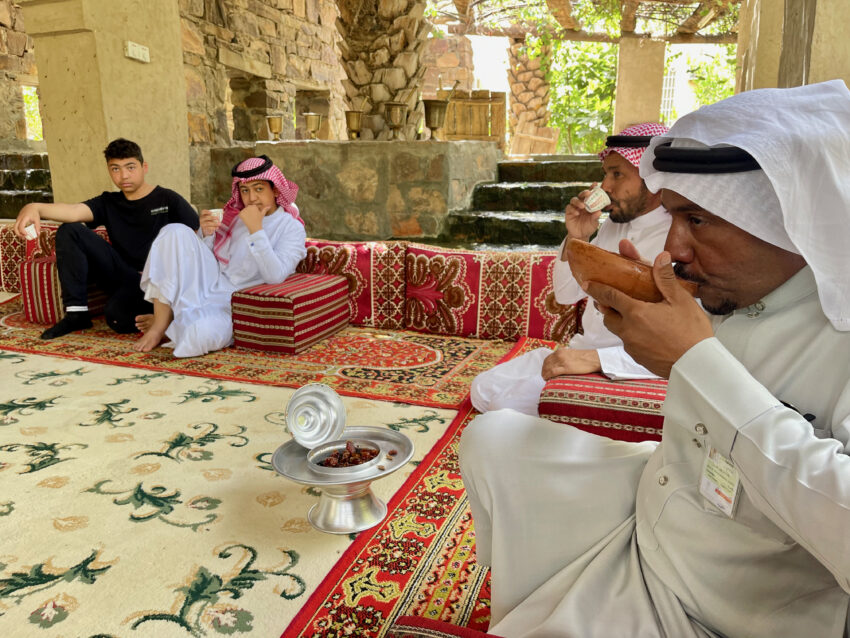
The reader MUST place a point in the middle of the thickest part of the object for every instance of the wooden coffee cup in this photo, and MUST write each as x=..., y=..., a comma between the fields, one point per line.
x=591, y=263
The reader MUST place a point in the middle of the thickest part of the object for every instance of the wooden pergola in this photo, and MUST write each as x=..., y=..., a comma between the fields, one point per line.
x=704, y=14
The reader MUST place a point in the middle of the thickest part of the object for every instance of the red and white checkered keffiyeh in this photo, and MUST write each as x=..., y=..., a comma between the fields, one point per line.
x=285, y=197
x=633, y=155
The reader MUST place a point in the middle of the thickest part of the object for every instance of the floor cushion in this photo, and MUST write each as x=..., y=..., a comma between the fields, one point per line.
x=290, y=316
x=41, y=295
x=484, y=294
x=375, y=274
x=622, y=410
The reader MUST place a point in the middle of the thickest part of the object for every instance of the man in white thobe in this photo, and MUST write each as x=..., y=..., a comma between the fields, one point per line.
x=635, y=214
x=737, y=523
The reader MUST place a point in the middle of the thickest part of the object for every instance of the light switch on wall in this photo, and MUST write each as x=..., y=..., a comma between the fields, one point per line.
x=136, y=51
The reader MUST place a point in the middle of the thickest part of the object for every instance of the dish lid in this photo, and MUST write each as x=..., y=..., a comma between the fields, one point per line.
x=315, y=414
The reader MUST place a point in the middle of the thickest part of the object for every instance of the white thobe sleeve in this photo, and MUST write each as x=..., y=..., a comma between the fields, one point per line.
x=797, y=480
x=615, y=362
x=567, y=289
x=618, y=365
x=208, y=240
x=277, y=262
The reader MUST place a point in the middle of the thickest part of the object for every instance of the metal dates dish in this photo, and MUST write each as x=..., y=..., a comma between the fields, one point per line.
x=591, y=263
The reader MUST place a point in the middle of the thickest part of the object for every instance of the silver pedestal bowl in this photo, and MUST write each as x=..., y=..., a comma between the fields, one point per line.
x=347, y=503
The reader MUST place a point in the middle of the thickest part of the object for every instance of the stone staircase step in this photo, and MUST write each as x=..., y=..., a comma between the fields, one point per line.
x=480, y=246
x=25, y=179
x=11, y=201
x=528, y=228
x=575, y=168
x=523, y=196
x=20, y=161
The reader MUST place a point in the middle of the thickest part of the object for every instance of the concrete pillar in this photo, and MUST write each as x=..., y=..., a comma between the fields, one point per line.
x=830, y=51
x=759, y=44
x=640, y=80
x=92, y=92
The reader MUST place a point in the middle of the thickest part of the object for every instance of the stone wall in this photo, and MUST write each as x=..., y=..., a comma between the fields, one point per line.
x=17, y=68
x=246, y=59
x=370, y=189
x=447, y=59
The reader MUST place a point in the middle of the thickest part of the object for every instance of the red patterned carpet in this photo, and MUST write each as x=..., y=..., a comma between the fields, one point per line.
x=419, y=562
x=410, y=367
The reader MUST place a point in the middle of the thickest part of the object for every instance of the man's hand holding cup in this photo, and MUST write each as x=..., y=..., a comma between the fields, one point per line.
x=581, y=216
x=210, y=220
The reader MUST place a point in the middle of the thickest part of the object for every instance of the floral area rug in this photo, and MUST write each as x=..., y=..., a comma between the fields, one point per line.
x=142, y=503
x=411, y=367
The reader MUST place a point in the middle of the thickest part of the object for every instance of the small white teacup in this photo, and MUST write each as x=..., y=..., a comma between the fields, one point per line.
x=217, y=213
x=30, y=233
x=596, y=200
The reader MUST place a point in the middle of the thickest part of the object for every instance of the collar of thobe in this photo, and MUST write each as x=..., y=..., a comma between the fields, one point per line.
x=799, y=286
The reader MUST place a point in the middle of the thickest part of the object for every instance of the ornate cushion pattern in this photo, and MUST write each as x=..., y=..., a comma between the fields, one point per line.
x=291, y=316
x=484, y=294
x=622, y=410
x=41, y=294
x=35, y=274
x=375, y=274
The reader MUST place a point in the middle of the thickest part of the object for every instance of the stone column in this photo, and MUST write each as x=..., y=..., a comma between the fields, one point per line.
x=830, y=47
x=382, y=42
x=529, y=100
x=640, y=80
x=759, y=44
x=91, y=92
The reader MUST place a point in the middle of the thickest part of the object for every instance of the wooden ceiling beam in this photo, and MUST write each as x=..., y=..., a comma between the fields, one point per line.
x=702, y=16
x=628, y=22
x=517, y=32
x=562, y=11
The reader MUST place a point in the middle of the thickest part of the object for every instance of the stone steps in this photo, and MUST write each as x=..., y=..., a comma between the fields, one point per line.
x=525, y=208
x=543, y=229
x=525, y=196
x=576, y=168
x=24, y=178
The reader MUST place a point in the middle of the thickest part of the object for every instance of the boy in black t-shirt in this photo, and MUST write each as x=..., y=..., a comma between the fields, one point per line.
x=132, y=218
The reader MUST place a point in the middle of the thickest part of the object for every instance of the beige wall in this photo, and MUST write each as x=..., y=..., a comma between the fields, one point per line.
x=91, y=93
x=640, y=80
x=787, y=44
x=759, y=44
x=830, y=50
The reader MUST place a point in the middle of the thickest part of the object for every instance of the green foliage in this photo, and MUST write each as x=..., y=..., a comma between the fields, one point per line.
x=713, y=79
x=31, y=113
x=582, y=78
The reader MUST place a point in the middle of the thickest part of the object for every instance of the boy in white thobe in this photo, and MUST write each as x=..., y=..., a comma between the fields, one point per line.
x=190, y=279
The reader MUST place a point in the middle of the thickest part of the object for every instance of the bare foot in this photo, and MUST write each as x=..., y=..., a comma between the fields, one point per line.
x=150, y=340
x=144, y=322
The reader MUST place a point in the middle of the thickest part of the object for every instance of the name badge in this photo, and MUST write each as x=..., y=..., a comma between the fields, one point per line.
x=159, y=211
x=719, y=482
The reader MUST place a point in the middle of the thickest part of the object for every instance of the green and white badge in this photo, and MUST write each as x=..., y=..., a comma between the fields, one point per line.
x=719, y=482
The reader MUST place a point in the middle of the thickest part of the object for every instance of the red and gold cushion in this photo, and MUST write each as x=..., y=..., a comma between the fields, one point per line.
x=484, y=294
x=41, y=295
x=622, y=410
x=290, y=316
x=375, y=275
x=417, y=627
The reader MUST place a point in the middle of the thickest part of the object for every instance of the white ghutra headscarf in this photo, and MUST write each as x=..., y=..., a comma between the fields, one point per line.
x=800, y=198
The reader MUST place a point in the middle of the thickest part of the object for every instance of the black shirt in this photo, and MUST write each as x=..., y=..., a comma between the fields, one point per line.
x=133, y=224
